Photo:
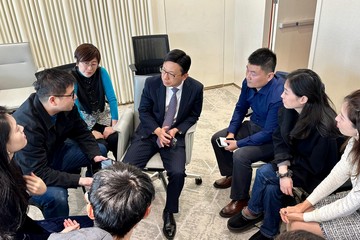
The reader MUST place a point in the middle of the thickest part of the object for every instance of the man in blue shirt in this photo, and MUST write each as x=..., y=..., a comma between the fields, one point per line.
x=249, y=141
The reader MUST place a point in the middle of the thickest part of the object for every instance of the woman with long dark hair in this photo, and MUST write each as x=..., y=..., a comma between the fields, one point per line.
x=16, y=189
x=306, y=147
x=335, y=216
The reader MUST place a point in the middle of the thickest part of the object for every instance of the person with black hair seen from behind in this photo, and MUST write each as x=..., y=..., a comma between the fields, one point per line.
x=307, y=146
x=170, y=104
x=119, y=198
x=59, y=141
x=335, y=216
x=298, y=235
x=16, y=189
x=252, y=142
x=93, y=89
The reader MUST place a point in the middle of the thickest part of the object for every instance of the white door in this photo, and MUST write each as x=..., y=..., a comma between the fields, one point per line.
x=291, y=26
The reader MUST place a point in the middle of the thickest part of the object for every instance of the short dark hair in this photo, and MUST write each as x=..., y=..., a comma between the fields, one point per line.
x=298, y=235
x=52, y=82
x=86, y=52
x=180, y=57
x=120, y=196
x=265, y=58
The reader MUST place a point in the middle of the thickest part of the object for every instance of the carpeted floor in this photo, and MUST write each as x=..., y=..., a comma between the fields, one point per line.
x=199, y=204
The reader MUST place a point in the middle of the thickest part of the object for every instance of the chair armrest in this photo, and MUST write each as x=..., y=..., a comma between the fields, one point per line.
x=125, y=129
x=189, y=142
x=132, y=67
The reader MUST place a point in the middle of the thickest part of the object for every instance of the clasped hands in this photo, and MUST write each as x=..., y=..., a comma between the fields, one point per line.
x=295, y=213
x=292, y=213
x=107, y=132
x=165, y=135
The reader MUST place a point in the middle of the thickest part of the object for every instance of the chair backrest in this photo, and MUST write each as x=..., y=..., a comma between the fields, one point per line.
x=17, y=67
x=17, y=74
x=66, y=67
x=149, y=52
x=139, y=81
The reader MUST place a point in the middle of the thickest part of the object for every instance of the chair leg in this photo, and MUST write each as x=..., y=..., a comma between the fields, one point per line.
x=198, y=179
x=158, y=174
x=163, y=179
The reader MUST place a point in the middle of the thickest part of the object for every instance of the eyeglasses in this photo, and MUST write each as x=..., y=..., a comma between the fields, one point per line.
x=72, y=95
x=169, y=73
x=89, y=64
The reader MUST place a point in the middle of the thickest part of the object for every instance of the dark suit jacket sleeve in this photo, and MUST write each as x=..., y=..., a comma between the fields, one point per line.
x=150, y=112
x=190, y=105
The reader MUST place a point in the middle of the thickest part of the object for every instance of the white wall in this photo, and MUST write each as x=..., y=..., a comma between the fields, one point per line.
x=335, y=49
x=219, y=35
x=249, y=26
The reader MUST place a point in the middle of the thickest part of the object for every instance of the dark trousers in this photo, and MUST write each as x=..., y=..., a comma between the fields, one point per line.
x=238, y=163
x=140, y=152
x=68, y=158
x=40, y=230
x=111, y=143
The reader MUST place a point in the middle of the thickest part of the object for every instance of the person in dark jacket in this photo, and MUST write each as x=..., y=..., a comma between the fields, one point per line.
x=306, y=147
x=59, y=141
x=16, y=189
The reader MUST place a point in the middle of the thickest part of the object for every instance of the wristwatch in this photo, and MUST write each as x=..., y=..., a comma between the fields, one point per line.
x=289, y=173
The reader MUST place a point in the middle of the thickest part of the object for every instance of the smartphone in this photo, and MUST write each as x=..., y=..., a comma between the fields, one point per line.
x=221, y=142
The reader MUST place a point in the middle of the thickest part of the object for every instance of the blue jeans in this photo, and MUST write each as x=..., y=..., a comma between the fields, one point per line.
x=266, y=198
x=67, y=158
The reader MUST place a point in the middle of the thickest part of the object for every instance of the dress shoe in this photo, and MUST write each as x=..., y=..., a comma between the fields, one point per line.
x=239, y=223
x=259, y=236
x=234, y=207
x=169, y=228
x=223, y=182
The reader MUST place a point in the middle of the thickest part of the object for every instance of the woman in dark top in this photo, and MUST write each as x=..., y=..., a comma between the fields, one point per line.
x=16, y=188
x=306, y=147
x=93, y=90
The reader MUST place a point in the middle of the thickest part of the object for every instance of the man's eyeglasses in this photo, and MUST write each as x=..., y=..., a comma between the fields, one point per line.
x=72, y=95
x=169, y=73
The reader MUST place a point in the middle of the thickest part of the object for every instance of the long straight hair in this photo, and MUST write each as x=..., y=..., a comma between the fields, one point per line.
x=317, y=112
x=352, y=102
x=13, y=196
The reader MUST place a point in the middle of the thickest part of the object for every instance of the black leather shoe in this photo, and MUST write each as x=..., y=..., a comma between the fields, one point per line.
x=169, y=228
x=239, y=223
x=259, y=236
x=223, y=183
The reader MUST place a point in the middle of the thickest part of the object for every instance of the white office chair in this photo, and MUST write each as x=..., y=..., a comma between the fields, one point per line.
x=129, y=122
x=17, y=74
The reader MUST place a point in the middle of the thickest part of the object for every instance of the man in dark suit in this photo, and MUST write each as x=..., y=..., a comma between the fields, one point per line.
x=156, y=134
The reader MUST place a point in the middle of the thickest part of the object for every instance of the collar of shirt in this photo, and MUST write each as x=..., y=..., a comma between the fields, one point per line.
x=265, y=89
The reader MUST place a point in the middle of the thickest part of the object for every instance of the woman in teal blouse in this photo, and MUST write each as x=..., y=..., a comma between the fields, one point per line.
x=94, y=89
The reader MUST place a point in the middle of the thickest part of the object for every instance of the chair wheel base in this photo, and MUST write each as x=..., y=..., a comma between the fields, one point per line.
x=198, y=181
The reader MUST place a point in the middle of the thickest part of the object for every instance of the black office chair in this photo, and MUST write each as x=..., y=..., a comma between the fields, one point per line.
x=66, y=67
x=149, y=52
